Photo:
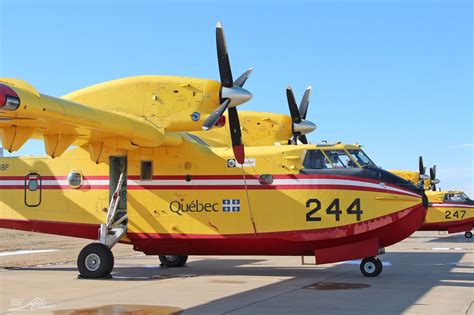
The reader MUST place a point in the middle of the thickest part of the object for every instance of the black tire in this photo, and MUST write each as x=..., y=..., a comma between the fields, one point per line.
x=371, y=266
x=172, y=261
x=95, y=261
x=468, y=234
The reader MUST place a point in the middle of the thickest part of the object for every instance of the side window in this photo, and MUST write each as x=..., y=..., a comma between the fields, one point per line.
x=314, y=159
x=146, y=170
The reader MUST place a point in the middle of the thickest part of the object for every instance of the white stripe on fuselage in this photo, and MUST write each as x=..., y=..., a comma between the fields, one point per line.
x=224, y=182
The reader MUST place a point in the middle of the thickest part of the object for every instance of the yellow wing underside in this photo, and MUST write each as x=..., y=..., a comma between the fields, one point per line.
x=124, y=114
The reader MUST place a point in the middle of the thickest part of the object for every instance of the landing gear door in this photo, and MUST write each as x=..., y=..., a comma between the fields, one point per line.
x=32, y=188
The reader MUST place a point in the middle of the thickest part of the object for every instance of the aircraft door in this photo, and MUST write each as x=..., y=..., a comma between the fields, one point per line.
x=32, y=188
x=118, y=165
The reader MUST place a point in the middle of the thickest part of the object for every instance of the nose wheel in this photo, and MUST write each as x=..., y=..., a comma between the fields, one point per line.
x=172, y=261
x=371, y=266
x=468, y=234
x=95, y=261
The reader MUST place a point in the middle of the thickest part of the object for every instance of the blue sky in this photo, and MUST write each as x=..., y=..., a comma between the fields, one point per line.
x=396, y=76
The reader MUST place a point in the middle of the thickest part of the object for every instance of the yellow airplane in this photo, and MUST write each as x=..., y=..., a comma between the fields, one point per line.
x=143, y=172
x=451, y=211
x=420, y=177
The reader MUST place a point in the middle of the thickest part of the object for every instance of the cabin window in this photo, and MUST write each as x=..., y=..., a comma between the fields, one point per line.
x=146, y=170
x=75, y=179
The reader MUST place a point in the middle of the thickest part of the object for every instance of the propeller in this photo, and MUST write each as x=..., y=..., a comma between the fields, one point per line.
x=421, y=167
x=422, y=172
x=300, y=126
x=231, y=94
x=433, y=179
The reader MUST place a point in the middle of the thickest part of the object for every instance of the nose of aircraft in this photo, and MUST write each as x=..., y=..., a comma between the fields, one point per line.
x=8, y=98
x=392, y=179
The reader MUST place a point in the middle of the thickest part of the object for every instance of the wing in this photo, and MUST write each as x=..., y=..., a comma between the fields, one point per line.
x=118, y=115
x=258, y=129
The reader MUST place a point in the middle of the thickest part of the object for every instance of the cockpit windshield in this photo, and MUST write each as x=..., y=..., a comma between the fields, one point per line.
x=456, y=197
x=361, y=158
x=318, y=159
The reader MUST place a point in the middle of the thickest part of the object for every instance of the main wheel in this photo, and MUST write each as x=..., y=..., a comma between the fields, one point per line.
x=468, y=234
x=95, y=261
x=173, y=260
x=371, y=266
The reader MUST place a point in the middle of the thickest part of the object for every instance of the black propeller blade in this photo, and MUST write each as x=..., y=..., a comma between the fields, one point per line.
x=300, y=126
x=236, y=135
x=421, y=167
x=433, y=179
x=294, y=111
x=223, y=57
x=231, y=94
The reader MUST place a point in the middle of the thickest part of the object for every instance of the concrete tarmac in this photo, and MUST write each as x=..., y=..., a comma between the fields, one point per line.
x=427, y=273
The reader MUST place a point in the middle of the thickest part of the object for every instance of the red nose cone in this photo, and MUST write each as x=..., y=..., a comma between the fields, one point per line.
x=8, y=98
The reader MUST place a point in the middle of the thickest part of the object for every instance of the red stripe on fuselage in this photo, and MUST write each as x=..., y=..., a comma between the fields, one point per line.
x=388, y=229
x=443, y=226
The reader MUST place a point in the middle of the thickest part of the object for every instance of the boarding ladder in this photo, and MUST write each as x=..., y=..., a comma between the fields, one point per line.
x=114, y=228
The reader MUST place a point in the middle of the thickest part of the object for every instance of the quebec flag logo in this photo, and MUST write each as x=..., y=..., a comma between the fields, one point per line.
x=231, y=205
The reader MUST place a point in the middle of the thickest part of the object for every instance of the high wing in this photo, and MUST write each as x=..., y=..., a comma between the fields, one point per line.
x=124, y=114
x=258, y=129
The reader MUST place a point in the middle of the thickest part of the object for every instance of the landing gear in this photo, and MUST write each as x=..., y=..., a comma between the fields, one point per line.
x=171, y=261
x=371, y=266
x=468, y=234
x=95, y=261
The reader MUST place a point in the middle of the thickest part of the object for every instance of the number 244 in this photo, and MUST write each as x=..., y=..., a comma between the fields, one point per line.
x=334, y=209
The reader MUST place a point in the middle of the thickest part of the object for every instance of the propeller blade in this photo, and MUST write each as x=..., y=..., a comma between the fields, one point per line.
x=243, y=78
x=293, y=140
x=295, y=113
x=223, y=57
x=434, y=171
x=303, y=139
x=215, y=115
x=431, y=174
x=421, y=168
x=236, y=135
x=305, y=102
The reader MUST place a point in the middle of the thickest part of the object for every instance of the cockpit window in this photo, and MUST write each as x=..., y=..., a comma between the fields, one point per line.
x=361, y=158
x=456, y=197
x=339, y=159
x=316, y=159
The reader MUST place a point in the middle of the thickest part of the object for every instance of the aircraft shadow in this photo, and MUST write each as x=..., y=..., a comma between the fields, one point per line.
x=399, y=287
